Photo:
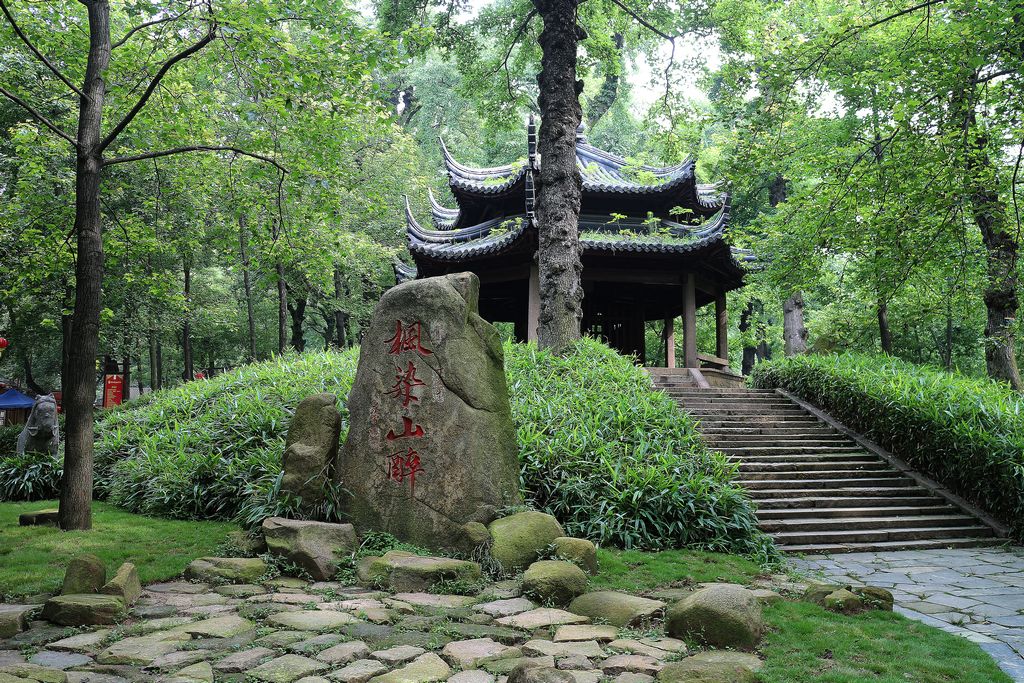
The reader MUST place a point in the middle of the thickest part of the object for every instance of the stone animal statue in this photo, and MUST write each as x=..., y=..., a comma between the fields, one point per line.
x=41, y=433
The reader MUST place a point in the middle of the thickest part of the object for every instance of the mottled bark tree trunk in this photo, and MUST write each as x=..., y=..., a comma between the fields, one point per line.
x=297, y=311
x=243, y=249
x=1001, y=248
x=608, y=92
x=883, y=327
x=560, y=185
x=188, y=372
x=282, y=310
x=793, y=330
x=749, y=350
x=80, y=369
x=340, y=316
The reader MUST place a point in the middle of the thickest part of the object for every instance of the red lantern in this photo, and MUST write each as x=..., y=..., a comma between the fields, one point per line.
x=3, y=343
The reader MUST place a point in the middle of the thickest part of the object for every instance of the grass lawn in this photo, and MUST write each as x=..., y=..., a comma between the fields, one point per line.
x=807, y=643
x=32, y=559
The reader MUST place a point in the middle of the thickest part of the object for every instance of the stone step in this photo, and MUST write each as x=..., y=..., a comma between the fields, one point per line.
x=767, y=411
x=769, y=431
x=715, y=403
x=801, y=513
x=775, y=442
x=822, y=480
x=930, y=544
x=880, y=535
x=754, y=451
x=806, y=458
x=775, y=526
x=730, y=391
x=862, y=489
x=791, y=421
x=788, y=500
x=777, y=469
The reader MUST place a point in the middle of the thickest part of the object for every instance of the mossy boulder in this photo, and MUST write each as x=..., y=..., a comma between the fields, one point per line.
x=125, y=584
x=617, y=609
x=317, y=547
x=554, y=582
x=721, y=615
x=85, y=609
x=227, y=569
x=14, y=619
x=843, y=601
x=579, y=551
x=876, y=598
x=518, y=540
x=816, y=592
x=311, y=448
x=713, y=666
x=85, y=574
x=406, y=572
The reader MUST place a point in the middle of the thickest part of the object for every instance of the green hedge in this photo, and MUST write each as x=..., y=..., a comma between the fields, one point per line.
x=613, y=460
x=966, y=433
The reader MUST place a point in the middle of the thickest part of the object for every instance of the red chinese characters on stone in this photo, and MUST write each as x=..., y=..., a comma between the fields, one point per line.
x=407, y=338
x=408, y=432
x=402, y=464
x=405, y=382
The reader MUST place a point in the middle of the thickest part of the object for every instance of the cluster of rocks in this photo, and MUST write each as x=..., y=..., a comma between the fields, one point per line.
x=288, y=630
x=88, y=598
x=848, y=599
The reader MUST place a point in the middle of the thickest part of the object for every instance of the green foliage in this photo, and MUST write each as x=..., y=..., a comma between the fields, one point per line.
x=618, y=463
x=966, y=433
x=212, y=449
x=9, y=439
x=32, y=476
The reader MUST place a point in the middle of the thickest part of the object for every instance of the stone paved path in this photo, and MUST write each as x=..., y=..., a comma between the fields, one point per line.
x=976, y=593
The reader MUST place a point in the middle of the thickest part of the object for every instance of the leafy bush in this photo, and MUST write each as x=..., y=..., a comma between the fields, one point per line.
x=33, y=476
x=618, y=463
x=9, y=439
x=967, y=433
x=212, y=449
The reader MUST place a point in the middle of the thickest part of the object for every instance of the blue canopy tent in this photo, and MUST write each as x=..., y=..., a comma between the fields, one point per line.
x=14, y=407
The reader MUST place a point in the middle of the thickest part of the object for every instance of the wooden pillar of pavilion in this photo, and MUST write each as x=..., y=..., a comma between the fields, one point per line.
x=670, y=342
x=721, y=327
x=533, y=304
x=690, y=321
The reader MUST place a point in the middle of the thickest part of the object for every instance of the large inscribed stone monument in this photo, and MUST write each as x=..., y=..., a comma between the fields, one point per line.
x=431, y=445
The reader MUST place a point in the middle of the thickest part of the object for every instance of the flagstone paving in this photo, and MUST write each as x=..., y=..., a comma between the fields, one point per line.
x=977, y=593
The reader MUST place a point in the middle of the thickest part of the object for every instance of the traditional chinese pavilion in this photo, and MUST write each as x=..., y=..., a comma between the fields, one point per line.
x=654, y=247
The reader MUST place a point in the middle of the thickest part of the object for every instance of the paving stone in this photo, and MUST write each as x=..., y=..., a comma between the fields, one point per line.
x=312, y=679
x=141, y=650
x=584, y=648
x=472, y=676
x=586, y=676
x=29, y=673
x=630, y=677
x=343, y=653
x=398, y=655
x=240, y=590
x=503, y=666
x=286, y=669
x=574, y=663
x=177, y=587
x=11, y=657
x=541, y=618
x=312, y=620
x=244, y=660
x=196, y=673
x=94, y=677
x=358, y=671
x=287, y=598
x=279, y=639
x=59, y=660
x=466, y=653
x=427, y=668
x=218, y=627
x=637, y=648
x=311, y=646
x=502, y=634
x=640, y=664
x=506, y=608
x=289, y=582
x=586, y=632
x=83, y=642
x=432, y=600
x=179, y=658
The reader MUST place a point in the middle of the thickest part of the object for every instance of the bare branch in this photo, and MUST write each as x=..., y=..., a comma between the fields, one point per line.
x=184, y=54
x=146, y=25
x=37, y=53
x=643, y=22
x=37, y=116
x=193, y=148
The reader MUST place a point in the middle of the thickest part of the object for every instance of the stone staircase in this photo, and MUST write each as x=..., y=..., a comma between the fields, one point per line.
x=816, y=489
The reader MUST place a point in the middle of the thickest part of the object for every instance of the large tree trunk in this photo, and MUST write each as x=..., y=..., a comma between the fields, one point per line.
x=188, y=372
x=558, y=197
x=1001, y=247
x=282, y=310
x=243, y=248
x=154, y=362
x=80, y=379
x=883, y=327
x=297, y=310
x=749, y=350
x=793, y=330
x=340, y=316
